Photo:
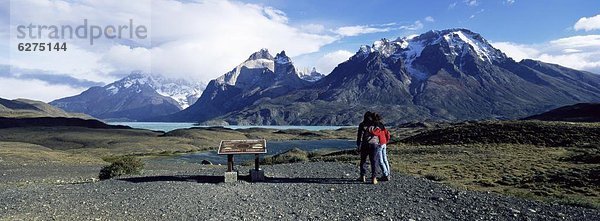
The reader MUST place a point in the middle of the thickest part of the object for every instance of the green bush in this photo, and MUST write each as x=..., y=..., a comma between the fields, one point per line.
x=290, y=156
x=121, y=166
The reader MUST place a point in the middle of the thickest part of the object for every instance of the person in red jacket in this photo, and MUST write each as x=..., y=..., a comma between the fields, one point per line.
x=383, y=136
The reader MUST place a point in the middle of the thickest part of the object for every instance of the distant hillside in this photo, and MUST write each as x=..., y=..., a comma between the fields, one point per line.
x=584, y=112
x=55, y=121
x=549, y=134
x=23, y=108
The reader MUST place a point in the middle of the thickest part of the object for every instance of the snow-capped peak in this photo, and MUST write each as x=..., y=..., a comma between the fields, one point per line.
x=182, y=91
x=261, y=54
x=458, y=41
x=258, y=60
x=310, y=75
x=386, y=47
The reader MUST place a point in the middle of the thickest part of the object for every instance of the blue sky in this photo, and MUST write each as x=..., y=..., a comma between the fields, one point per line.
x=522, y=21
x=518, y=21
x=202, y=39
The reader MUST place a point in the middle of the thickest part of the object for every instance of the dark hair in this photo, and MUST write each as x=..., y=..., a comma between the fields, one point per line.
x=368, y=117
x=377, y=120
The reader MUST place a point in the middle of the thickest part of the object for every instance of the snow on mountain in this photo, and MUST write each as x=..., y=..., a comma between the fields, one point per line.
x=255, y=67
x=182, y=91
x=457, y=42
x=310, y=75
x=261, y=76
x=281, y=58
x=258, y=60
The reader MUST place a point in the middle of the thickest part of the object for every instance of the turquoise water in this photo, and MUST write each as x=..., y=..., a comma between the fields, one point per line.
x=167, y=126
x=273, y=147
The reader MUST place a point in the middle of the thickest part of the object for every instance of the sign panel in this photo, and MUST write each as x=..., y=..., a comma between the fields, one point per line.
x=243, y=147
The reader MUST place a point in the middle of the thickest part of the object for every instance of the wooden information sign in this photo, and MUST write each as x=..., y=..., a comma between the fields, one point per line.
x=231, y=147
x=243, y=147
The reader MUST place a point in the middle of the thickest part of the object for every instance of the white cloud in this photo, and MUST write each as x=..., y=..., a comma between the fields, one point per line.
x=313, y=28
x=417, y=25
x=588, y=23
x=471, y=2
x=570, y=50
x=208, y=39
x=577, y=52
x=429, y=19
x=509, y=2
x=197, y=40
x=329, y=61
x=517, y=51
x=194, y=40
x=476, y=13
x=276, y=15
x=128, y=58
x=452, y=5
x=34, y=89
x=347, y=31
x=586, y=42
x=76, y=61
x=359, y=30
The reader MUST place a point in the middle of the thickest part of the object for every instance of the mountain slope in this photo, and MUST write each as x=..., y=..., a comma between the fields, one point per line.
x=452, y=74
x=135, y=97
x=23, y=108
x=260, y=77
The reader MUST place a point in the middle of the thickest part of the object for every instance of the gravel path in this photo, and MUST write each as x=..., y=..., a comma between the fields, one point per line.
x=304, y=191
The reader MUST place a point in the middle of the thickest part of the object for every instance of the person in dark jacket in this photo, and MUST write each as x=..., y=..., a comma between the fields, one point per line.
x=366, y=144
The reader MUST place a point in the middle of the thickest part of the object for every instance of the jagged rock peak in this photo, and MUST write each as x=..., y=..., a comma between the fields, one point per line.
x=261, y=54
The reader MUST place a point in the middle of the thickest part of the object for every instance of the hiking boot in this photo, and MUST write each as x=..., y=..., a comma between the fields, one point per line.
x=362, y=179
x=374, y=181
x=384, y=178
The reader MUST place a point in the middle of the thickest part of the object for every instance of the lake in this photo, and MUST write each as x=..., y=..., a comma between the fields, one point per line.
x=273, y=147
x=169, y=126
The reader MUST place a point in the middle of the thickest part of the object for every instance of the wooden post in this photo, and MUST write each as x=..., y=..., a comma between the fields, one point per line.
x=229, y=162
x=256, y=163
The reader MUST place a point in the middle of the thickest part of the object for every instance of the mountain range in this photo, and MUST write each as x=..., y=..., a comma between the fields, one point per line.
x=136, y=97
x=260, y=77
x=445, y=75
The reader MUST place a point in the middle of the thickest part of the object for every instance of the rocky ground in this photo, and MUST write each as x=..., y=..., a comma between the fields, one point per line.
x=172, y=190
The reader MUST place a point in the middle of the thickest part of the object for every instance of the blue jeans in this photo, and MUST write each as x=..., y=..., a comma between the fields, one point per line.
x=382, y=159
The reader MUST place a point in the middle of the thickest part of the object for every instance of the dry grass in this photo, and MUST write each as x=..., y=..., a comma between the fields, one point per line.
x=17, y=153
x=541, y=173
x=100, y=142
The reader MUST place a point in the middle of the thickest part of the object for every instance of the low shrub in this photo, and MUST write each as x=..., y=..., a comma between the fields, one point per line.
x=121, y=166
x=435, y=177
